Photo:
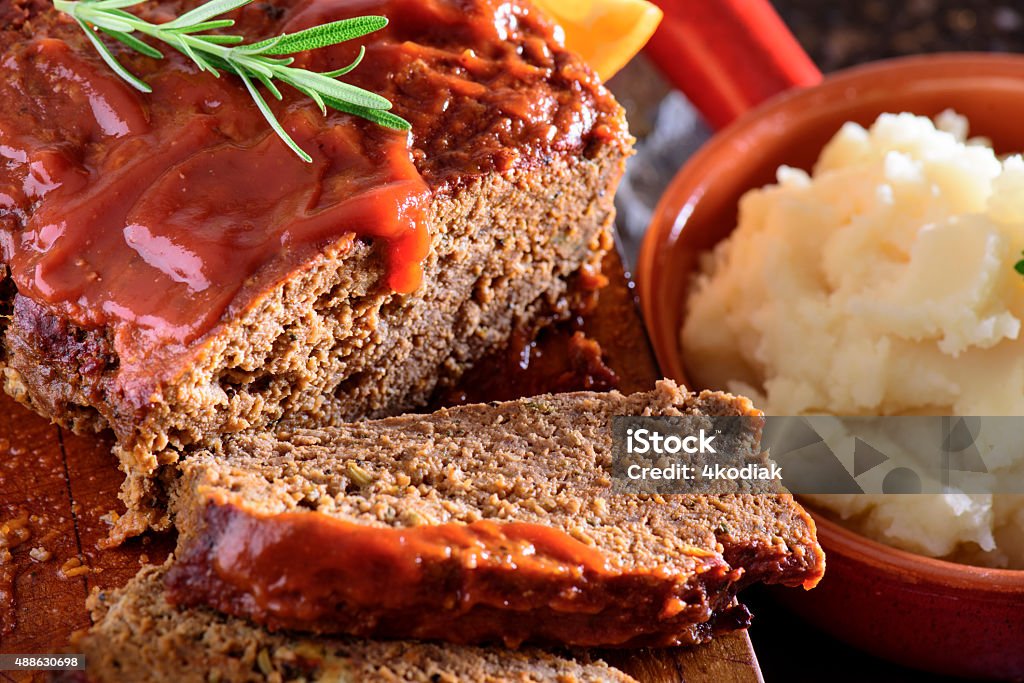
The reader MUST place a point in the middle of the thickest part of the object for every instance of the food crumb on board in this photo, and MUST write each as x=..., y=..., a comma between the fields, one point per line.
x=40, y=554
x=73, y=567
x=110, y=518
x=13, y=533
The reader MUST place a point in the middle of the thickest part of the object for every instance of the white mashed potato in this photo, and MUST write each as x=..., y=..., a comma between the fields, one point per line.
x=883, y=283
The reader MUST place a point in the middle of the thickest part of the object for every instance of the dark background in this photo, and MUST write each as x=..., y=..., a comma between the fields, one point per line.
x=840, y=33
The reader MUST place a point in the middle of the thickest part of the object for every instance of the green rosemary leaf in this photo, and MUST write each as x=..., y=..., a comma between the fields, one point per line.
x=205, y=11
x=315, y=96
x=260, y=47
x=272, y=120
x=265, y=62
x=204, y=26
x=381, y=118
x=127, y=16
x=134, y=43
x=111, y=61
x=224, y=40
x=345, y=69
x=187, y=50
x=114, y=4
x=257, y=67
x=275, y=61
x=321, y=36
x=205, y=65
x=106, y=21
x=332, y=88
x=220, y=63
x=269, y=85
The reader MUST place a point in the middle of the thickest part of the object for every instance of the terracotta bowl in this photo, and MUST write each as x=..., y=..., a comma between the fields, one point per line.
x=925, y=613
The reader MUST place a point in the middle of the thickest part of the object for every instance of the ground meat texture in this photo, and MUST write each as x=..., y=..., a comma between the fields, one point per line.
x=480, y=523
x=140, y=637
x=515, y=143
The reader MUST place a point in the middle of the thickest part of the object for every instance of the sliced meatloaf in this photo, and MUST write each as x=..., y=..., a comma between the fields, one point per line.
x=482, y=523
x=140, y=637
x=171, y=270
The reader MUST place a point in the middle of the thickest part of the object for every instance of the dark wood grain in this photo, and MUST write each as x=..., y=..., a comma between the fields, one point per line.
x=69, y=483
x=94, y=482
x=34, y=483
x=34, y=490
x=727, y=659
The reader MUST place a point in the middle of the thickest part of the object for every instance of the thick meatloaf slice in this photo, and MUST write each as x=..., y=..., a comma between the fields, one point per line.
x=482, y=523
x=140, y=637
x=505, y=182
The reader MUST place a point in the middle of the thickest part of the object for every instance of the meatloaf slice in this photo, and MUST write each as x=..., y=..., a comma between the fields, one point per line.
x=481, y=523
x=140, y=637
x=169, y=269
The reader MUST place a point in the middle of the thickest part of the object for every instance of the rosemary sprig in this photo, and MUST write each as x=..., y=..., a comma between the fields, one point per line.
x=255, y=63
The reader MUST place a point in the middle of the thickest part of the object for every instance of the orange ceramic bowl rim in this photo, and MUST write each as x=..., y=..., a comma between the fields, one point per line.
x=930, y=569
x=687, y=190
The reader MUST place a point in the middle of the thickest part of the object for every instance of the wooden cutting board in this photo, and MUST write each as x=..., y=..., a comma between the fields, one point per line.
x=61, y=487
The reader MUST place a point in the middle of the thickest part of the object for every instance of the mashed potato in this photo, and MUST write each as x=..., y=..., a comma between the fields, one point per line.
x=883, y=283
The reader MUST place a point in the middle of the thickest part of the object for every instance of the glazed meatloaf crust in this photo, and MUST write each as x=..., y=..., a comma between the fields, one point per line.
x=169, y=269
x=478, y=524
x=140, y=637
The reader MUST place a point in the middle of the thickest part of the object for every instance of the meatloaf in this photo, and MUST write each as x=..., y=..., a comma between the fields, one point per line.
x=139, y=637
x=478, y=524
x=171, y=270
